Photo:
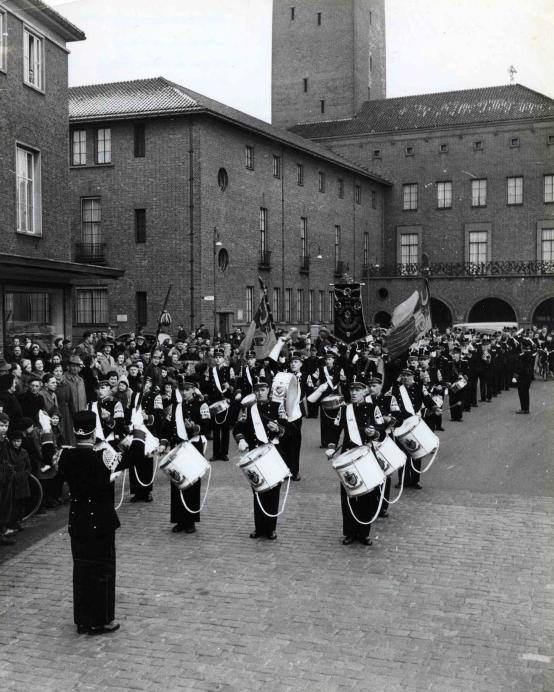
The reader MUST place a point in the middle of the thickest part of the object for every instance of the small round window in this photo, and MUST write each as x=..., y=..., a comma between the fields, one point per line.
x=222, y=179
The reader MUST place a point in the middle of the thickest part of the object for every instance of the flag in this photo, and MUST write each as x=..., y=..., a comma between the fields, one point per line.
x=410, y=321
x=349, y=317
x=260, y=335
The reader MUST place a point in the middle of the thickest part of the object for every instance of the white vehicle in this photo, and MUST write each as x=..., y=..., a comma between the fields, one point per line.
x=485, y=327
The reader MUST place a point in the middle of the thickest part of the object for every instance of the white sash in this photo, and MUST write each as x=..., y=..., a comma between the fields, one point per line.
x=180, y=423
x=248, y=376
x=406, y=400
x=353, y=430
x=99, y=431
x=328, y=377
x=378, y=416
x=258, y=425
x=216, y=380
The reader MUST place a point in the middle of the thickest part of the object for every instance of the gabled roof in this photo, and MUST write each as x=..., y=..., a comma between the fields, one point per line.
x=64, y=27
x=511, y=102
x=147, y=98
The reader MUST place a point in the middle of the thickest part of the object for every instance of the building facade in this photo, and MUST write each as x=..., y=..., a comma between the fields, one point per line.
x=181, y=190
x=36, y=271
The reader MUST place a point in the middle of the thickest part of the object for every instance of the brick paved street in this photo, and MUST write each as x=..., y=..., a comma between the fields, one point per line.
x=455, y=594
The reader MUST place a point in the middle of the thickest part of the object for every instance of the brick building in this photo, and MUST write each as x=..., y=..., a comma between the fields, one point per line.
x=36, y=271
x=472, y=171
x=180, y=189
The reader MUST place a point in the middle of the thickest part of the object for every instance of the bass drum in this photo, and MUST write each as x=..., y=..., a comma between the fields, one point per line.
x=285, y=390
x=33, y=502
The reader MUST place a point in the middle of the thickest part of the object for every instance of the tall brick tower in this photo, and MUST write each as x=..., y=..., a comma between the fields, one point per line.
x=328, y=58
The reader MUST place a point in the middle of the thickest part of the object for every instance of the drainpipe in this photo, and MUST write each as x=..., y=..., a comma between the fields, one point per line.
x=281, y=317
x=191, y=222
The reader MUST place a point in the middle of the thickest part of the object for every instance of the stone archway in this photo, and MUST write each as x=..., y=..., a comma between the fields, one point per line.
x=382, y=318
x=543, y=315
x=492, y=310
x=441, y=315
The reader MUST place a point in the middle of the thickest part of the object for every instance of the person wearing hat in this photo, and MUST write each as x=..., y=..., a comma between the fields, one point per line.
x=524, y=373
x=141, y=476
x=21, y=463
x=260, y=423
x=457, y=372
x=76, y=385
x=8, y=400
x=31, y=401
x=360, y=423
x=310, y=367
x=93, y=521
x=110, y=412
x=7, y=475
x=187, y=422
x=220, y=386
x=330, y=378
x=485, y=370
x=86, y=346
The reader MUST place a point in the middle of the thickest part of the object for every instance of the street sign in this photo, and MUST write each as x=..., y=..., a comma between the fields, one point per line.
x=212, y=298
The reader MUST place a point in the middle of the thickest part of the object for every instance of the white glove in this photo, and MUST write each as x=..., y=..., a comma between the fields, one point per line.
x=136, y=418
x=330, y=451
x=243, y=445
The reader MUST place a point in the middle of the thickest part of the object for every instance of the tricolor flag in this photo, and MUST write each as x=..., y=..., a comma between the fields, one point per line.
x=260, y=335
x=410, y=321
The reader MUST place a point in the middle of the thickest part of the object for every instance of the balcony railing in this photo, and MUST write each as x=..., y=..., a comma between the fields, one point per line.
x=304, y=264
x=90, y=253
x=465, y=269
x=340, y=269
x=264, y=261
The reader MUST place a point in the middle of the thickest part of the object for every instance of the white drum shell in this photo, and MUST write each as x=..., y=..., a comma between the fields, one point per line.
x=390, y=454
x=184, y=465
x=359, y=471
x=332, y=402
x=219, y=406
x=458, y=385
x=263, y=467
x=416, y=438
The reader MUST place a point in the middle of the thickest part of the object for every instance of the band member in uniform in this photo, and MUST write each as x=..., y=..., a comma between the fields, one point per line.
x=141, y=476
x=189, y=412
x=458, y=371
x=329, y=419
x=93, y=522
x=263, y=421
x=220, y=387
x=523, y=374
x=359, y=427
x=293, y=441
x=310, y=369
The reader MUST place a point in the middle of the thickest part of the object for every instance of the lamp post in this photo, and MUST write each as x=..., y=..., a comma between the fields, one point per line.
x=216, y=244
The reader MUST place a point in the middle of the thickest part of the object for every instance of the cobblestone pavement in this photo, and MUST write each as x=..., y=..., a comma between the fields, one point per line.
x=455, y=594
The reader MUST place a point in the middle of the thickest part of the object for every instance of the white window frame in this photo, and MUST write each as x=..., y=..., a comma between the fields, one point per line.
x=321, y=181
x=300, y=174
x=358, y=193
x=321, y=306
x=548, y=189
x=104, y=155
x=79, y=147
x=288, y=305
x=299, y=305
x=93, y=293
x=30, y=187
x=311, y=295
x=337, y=248
x=249, y=312
x=408, y=255
x=366, y=248
x=444, y=194
x=249, y=157
x=547, y=256
x=478, y=247
x=479, y=192
x=304, y=235
x=263, y=231
x=276, y=303
x=277, y=166
x=33, y=61
x=3, y=41
x=410, y=196
x=91, y=234
x=331, y=306
x=514, y=190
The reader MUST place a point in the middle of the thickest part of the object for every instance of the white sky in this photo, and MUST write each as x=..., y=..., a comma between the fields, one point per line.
x=222, y=48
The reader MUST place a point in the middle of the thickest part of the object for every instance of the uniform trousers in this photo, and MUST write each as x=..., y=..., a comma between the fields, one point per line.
x=291, y=446
x=330, y=432
x=523, y=393
x=220, y=432
x=139, y=475
x=269, y=500
x=178, y=513
x=364, y=507
x=93, y=579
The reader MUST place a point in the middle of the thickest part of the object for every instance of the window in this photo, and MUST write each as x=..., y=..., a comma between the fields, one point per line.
x=222, y=179
x=276, y=307
x=91, y=217
x=373, y=199
x=410, y=196
x=478, y=241
x=3, y=39
x=104, y=145
x=91, y=305
x=32, y=59
x=478, y=145
x=300, y=305
x=140, y=225
x=409, y=151
x=79, y=148
x=366, y=249
x=515, y=190
x=444, y=195
x=263, y=231
x=288, y=304
x=141, y=306
x=292, y=13
x=249, y=303
x=322, y=105
x=276, y=166
x=337, y=246
x=321, y=306
x=371, y=63
x=319, y=18
x=28, y=191
x=550, y=139
x=443, y=148
x=304, y=235
x=370, y=17
x=311, y=306
x=321, y=181
x=376, y=154
x=409, y=248
x=548, y=189
x=249, y=156
x=514, y=142
x=21, y=308
x=140, y=140
x=340, y=188
x=358, y=194
x=547, y=244
x=299, y=174
x=305, y=84
x=331, y=306
x=479, y=193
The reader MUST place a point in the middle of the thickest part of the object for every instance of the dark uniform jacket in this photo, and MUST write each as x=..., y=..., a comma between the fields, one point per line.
x=270, y=412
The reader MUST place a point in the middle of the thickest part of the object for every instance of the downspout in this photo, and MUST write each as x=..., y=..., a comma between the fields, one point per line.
x=281, y=317
x=354, y=231
x=191, y=222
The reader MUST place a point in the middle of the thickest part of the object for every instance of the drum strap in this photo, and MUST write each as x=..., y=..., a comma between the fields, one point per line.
x=258, y=425
x=180, y=423
x=216, y=379
x=328, y=378
x=353, y=430
x=406, y=400
x=99, y=431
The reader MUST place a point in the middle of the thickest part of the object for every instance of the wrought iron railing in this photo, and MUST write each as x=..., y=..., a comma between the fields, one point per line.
x=465, y=269
x=90, y=252
x=304, y=264
x=264, y=260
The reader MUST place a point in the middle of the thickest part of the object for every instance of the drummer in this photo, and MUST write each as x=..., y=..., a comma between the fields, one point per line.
x=359, y=426
x=220, y=388
x=187, y=418
x=265, y=420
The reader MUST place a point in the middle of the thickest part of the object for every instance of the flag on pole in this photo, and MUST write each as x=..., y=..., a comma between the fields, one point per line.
x=410, y=321
x=260, y=335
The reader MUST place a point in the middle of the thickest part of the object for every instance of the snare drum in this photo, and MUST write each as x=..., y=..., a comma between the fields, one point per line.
x=219, y=407
x=359, y=471
x=184, y=465
x=416, y=438
x=389, y=455
x=263, y=467
x=458, y=385
x=332, y=402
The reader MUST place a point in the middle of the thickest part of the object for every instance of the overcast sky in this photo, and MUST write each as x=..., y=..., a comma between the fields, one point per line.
x=222, y=48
